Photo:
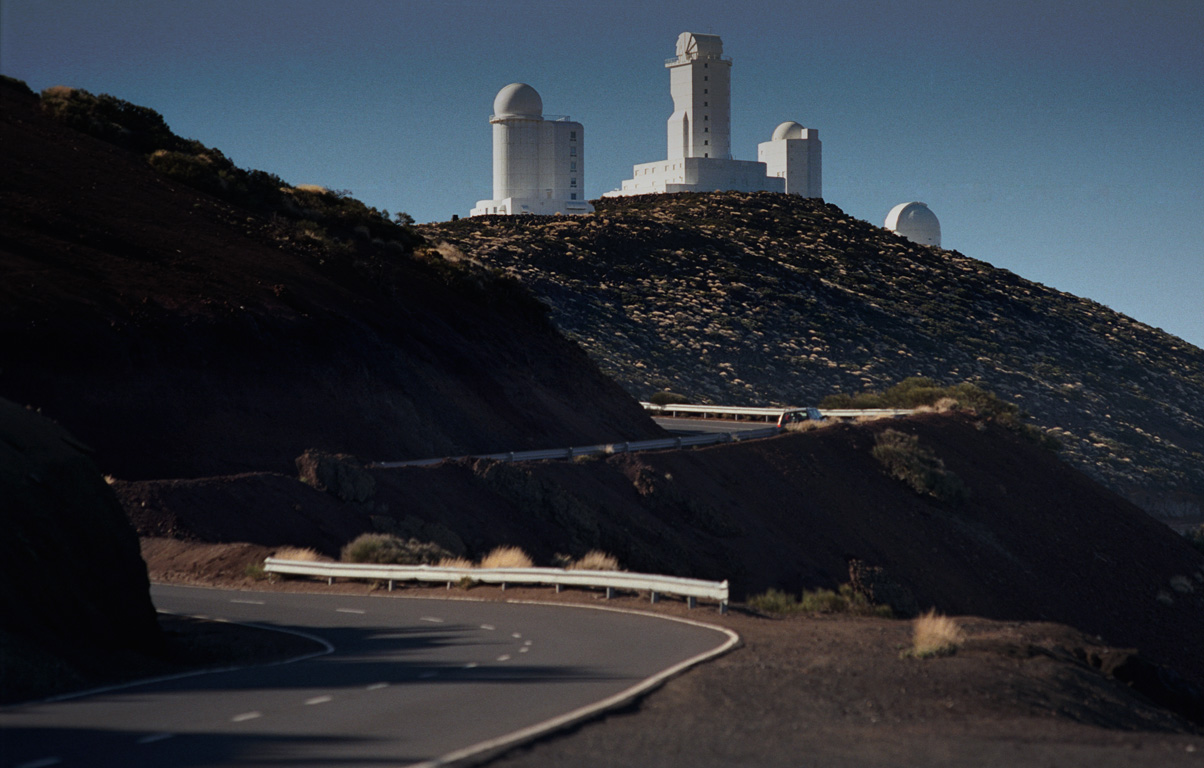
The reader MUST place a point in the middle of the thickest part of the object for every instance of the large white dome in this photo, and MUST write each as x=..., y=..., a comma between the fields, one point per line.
x=518, y=100
x=915, y=222
x=788, y=130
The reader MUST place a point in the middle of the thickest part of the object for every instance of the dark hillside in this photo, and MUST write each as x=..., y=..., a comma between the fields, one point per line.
x=1034, y=540
x=183, y=335
x=759, y=299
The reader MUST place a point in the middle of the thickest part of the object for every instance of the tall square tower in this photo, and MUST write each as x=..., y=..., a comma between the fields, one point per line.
x=700, y=81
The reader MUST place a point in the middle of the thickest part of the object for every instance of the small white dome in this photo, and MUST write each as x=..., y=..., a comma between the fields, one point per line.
x=788, y=130
x=915, y=222
x=518, y=100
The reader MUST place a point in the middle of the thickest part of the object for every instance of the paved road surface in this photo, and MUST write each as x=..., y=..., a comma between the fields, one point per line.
x=406, y=681
x=697, y=426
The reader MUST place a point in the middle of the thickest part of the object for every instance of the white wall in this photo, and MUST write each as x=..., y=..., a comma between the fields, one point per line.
x=797, y=161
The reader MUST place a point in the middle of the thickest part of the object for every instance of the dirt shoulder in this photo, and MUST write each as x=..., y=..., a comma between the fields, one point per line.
x=823, y=691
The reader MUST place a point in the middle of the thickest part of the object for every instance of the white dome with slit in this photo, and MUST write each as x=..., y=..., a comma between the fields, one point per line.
x=915, y=222
x=518, y=100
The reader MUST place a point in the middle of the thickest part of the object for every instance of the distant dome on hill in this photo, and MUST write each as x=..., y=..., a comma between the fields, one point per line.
x=915, y=222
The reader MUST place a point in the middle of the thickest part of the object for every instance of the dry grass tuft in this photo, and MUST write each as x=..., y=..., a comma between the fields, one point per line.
x=595, y=560
x=456, y=562
x=305, y=554
x=506, y=557
x=935, y=635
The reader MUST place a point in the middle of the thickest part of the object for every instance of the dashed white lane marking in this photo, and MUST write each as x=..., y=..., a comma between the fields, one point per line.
x=349, y=610
x=43, y=763
x=318, y=700
x=527, y=643
x=249, y=602
x=517, y=635
x=427, y=675
x=471, y=665
x=155, y=737
x=488, y=626
x=431, y=619
x=524, y=649
x=376, y=686
x=245, y=716
x=504, y=657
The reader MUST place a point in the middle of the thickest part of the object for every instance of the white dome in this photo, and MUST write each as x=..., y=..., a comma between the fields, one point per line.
x=915, y=222
x=788, y=130
x=518, y=100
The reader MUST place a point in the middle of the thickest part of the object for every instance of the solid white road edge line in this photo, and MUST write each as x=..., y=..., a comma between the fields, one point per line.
x=496, y=746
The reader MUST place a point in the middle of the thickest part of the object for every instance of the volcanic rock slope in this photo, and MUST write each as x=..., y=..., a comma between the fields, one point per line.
x=753, y=299
x=182, y=335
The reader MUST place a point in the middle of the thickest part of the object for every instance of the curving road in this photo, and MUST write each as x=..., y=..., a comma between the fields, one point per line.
x=400, y=682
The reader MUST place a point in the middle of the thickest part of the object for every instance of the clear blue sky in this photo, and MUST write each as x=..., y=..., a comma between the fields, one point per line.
x=1060, y=139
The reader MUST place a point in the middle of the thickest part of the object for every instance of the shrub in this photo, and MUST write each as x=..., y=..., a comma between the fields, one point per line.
x=774, y=601
x=594, y=560
x=386, y=549
x=506, y=557
x=905, y=459
x=935, y=635
x=666, y=397
x=844, y=600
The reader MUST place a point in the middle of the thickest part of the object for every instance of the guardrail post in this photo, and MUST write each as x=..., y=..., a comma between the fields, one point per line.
x=610, y=592
x=722, y=606
x=390, y=585
x=329, y=580
x=559, y=588
x=656, y=598
x=691, y=602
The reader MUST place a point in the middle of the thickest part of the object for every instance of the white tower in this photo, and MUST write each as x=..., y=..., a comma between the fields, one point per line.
x=700, y=81
x=793, y=153
x=538, y=164
x=699, y=157
x=915, y=222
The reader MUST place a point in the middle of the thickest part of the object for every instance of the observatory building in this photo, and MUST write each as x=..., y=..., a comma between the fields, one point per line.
x=915, y=222
x=793, y=154
x=538, y=163
x=699, y=157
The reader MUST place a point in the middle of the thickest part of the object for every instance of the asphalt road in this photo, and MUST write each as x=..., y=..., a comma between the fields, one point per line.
x=402, y=681
x=697, y=426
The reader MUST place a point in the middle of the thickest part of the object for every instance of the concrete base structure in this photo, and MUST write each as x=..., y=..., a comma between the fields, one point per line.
x=699, y=174
x=536, y=206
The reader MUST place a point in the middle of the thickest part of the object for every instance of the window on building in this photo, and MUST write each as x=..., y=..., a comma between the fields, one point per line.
x=706, y=143
x=572, y=135
x=706, y=130
x=572, y=151
x=706, y=117
x=572, y=195
x=705, y=78
x=704, y=90
x=573, y=165
x=706, y=103
x=573, y=182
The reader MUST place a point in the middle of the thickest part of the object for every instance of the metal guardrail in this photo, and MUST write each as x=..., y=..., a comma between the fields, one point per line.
x=604, y=449
x=692, y=589
x=741, y=410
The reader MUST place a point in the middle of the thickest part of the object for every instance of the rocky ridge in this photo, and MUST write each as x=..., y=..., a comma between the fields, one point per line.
x=773, y=299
